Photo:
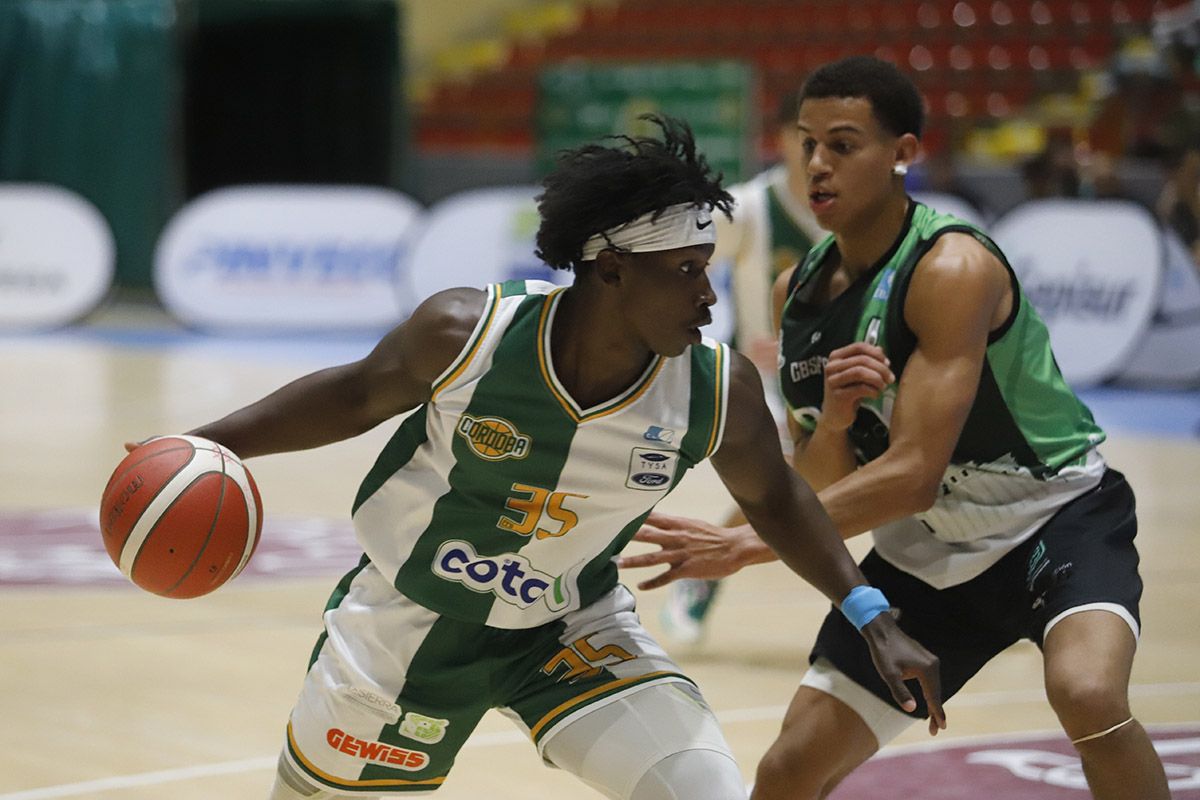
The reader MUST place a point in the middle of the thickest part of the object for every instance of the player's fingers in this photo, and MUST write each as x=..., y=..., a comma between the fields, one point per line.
x=659, y=580
x=131, y=446
x=861, y=362
x=668, y=522
x=868, y=375
x=658, y=536
x=900, y=692
x=931, y=687
x=859, y=348
x=652, y=559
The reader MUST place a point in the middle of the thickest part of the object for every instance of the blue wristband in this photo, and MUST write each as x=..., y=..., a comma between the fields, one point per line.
x=863, y=604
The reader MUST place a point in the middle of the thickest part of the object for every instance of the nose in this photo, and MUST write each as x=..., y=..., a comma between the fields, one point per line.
x=816, y=162
x=707, y=296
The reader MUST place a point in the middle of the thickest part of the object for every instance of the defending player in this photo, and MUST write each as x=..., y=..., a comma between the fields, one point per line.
x=926, y=405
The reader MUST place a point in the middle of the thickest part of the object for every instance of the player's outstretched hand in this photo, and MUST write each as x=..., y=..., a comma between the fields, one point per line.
x=691, y=548
x=899, y=658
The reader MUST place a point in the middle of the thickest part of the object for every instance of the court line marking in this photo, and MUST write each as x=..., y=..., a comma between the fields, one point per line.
x=499, y=738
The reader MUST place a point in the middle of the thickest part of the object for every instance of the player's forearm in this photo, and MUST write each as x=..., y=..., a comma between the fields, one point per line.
x=824, y=458
x=815, y=551
x=320, y=408
x=884, y=490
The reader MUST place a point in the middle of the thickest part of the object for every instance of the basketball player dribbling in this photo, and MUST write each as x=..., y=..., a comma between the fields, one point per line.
x=545, y=424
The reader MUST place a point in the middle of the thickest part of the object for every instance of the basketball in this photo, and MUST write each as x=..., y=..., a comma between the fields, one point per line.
x=180, y=516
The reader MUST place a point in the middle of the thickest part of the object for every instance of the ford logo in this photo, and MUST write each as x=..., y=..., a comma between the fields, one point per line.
x=649, y=478
x=654, y=456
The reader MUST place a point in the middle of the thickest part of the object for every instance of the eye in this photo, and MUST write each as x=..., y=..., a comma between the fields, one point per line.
x=809, y=145
x=842, y=147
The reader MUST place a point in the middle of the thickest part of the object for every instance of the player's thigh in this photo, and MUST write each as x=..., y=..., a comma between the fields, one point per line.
x=607, y=703
x=392, y=694
x=824, y=736
x=660, y=743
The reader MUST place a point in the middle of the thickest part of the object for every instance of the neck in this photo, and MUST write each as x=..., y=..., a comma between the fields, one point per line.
x=862, y=247
x=592, y=359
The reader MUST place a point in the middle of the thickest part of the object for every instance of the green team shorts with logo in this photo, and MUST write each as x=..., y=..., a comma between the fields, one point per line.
x=395, y=689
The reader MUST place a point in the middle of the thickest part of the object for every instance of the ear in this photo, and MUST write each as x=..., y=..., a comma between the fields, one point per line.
x=907, y=149
x=609, y=264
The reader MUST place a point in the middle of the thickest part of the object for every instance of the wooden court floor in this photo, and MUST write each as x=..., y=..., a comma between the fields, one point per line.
x=107, y=692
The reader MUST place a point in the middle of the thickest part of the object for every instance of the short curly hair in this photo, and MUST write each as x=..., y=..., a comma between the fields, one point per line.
x=597, y=187
x=893, y=97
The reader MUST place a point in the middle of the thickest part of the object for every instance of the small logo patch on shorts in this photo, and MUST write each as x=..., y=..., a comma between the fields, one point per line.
x=429, y=730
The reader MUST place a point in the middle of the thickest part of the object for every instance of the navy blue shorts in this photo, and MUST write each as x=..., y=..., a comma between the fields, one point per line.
x=1084, y=554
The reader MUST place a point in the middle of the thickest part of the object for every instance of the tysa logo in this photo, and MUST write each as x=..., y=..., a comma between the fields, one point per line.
x=650, y=469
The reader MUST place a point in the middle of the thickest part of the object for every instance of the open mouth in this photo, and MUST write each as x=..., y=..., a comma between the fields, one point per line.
x=819, y=197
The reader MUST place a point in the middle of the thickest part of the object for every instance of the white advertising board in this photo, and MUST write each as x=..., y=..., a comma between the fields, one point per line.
x=1093, y=269
x=56, y=256
x=287, y=258
x=1169, y=352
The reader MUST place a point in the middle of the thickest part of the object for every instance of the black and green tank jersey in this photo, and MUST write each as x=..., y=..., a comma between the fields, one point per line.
x=1025, y=418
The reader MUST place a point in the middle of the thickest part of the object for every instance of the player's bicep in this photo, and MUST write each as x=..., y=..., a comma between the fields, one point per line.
x=940, y=379
x=750, y=459
x=399, y=373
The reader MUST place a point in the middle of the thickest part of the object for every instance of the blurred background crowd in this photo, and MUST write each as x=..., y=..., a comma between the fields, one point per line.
x=140, y=105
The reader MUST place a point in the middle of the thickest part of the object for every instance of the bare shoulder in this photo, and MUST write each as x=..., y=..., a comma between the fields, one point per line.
x=958, y=256
x=451, y=314
x=958, y=286
x=422, y=347
x=743, y=377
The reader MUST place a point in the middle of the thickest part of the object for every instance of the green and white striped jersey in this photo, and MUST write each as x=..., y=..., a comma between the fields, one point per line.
x=1028, y=444
x=501, y=501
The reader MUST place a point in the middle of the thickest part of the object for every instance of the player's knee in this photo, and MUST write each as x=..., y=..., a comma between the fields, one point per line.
x=698, y=774
x=1085, y=703
x=790, y=770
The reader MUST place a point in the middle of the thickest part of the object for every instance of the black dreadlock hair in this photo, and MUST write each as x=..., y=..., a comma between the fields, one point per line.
x=597, y=187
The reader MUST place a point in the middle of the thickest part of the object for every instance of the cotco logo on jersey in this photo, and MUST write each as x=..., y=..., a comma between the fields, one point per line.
x=508, y=576
x=408, y=760
x=492, y=438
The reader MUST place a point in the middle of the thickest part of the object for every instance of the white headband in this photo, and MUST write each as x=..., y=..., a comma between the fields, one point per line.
x=683, y=225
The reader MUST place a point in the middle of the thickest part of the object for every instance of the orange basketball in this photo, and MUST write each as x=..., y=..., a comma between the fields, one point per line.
x=180, y=516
